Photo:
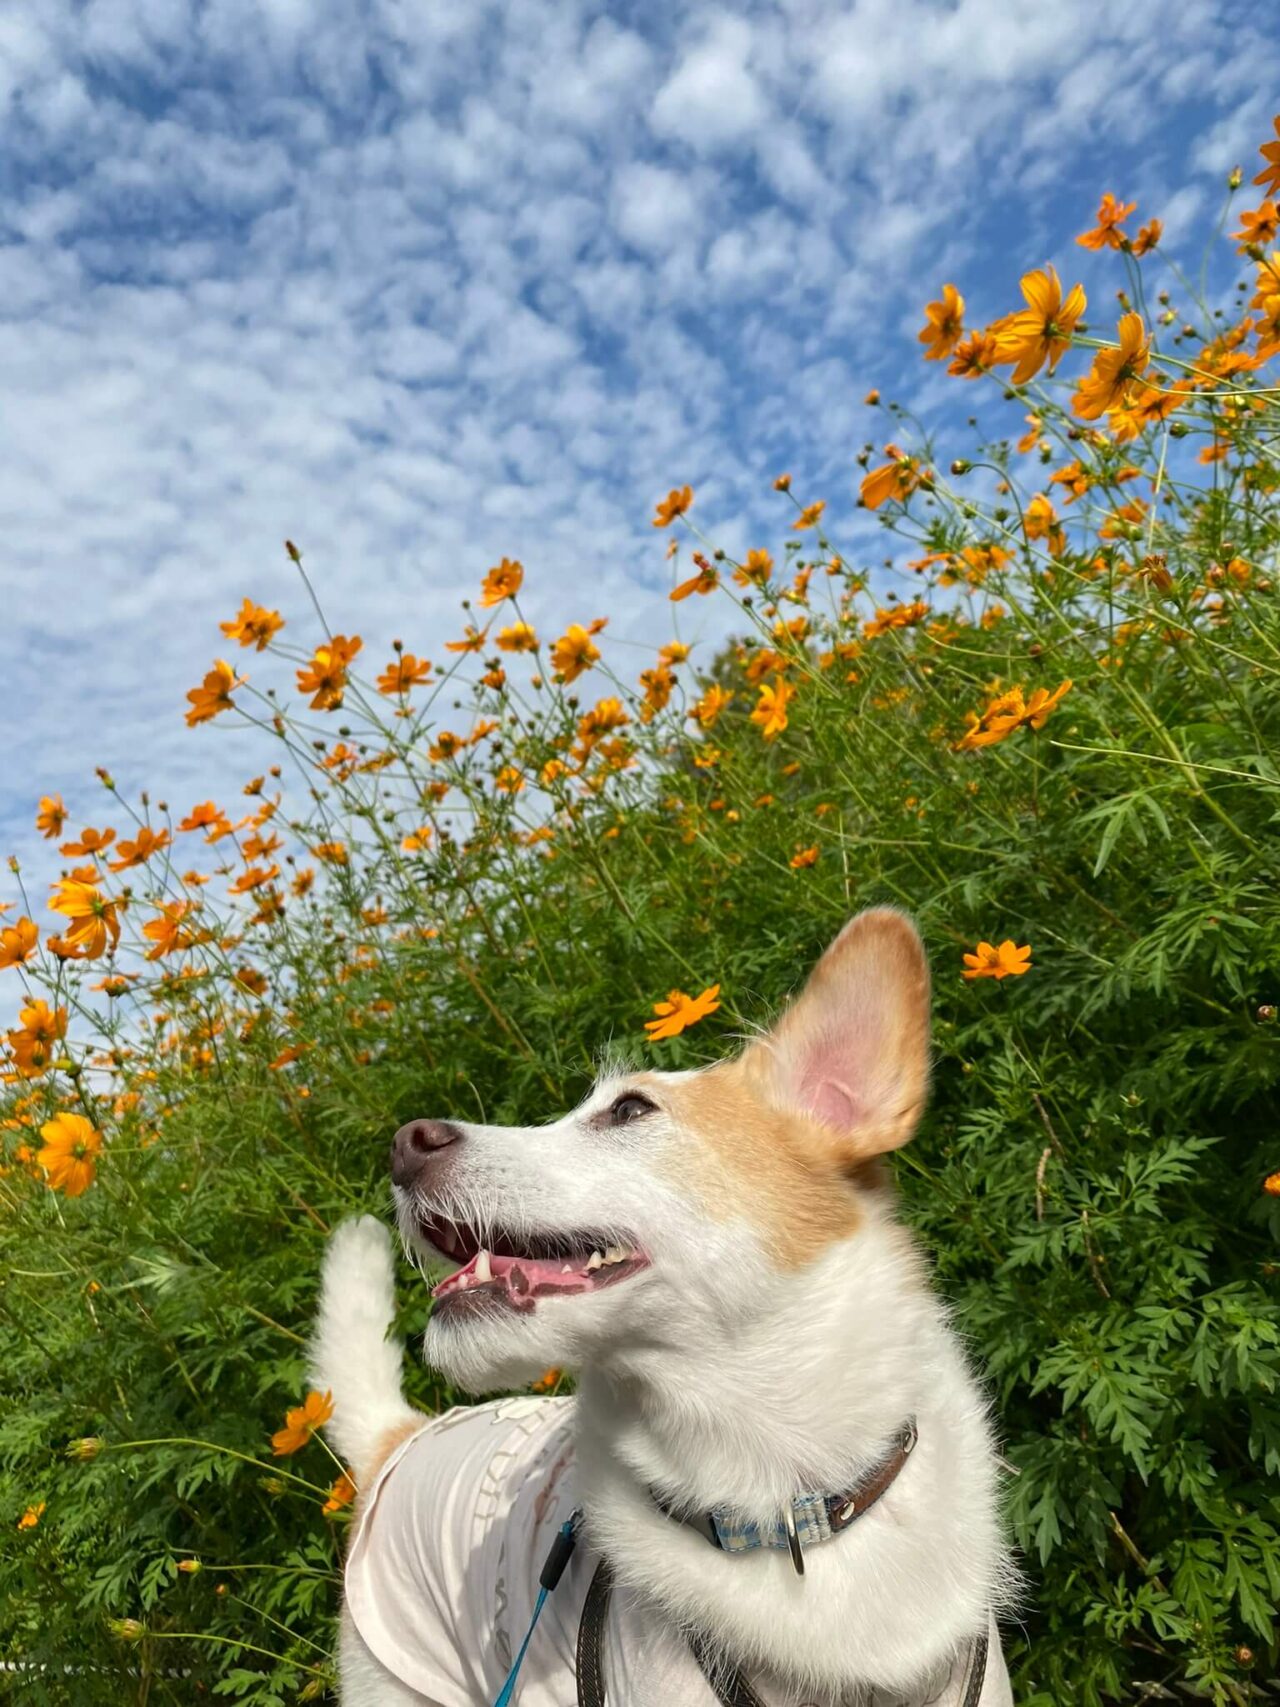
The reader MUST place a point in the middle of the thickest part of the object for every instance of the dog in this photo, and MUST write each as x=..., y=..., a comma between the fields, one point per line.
x=777, y=1449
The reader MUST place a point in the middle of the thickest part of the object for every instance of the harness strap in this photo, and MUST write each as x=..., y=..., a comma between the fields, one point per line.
x=728, y=1685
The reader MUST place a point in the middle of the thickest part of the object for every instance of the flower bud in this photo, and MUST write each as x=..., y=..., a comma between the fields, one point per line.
x=86, y=1448
x=782, y=483
x=293, y=551
x=1236, y=179
x=127, y=1629
x=1267, y=1014
x=189, y=1567
x=961, y=466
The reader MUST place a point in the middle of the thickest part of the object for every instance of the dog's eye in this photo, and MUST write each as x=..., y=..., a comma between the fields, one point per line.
x=631, y=1106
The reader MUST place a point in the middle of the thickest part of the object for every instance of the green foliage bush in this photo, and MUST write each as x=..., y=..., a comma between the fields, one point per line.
x=1090, y=1180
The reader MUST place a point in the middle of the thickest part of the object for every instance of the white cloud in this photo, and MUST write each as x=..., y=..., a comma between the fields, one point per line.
x=654, y=207
x=712, y=99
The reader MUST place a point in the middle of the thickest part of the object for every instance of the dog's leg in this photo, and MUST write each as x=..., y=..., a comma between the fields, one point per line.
x=351, y=1356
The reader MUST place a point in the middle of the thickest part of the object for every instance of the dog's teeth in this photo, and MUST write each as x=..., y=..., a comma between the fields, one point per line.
x=615, y=1253
x=482, y=1271
x=567, y=1269
x=596, y=1260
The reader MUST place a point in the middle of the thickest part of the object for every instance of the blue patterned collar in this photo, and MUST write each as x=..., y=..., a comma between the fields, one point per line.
x=809, y=1519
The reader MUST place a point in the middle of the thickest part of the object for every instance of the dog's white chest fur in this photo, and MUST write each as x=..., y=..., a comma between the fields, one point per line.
x=443, y=1568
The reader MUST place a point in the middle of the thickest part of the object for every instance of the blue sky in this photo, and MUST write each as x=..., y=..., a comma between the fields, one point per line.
x=420, y=284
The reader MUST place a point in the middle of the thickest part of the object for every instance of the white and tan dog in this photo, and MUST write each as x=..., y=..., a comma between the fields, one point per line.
x=716, y=1254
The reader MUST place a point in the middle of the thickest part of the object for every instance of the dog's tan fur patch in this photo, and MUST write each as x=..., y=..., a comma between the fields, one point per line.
x=753, y=1160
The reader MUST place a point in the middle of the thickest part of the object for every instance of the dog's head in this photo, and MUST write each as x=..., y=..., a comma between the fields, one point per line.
x=672, y=1206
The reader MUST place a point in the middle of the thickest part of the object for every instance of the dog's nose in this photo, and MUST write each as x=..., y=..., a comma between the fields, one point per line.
x=414, y=1145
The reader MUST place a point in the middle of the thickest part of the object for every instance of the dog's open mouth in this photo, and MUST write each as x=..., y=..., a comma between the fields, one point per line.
x=518, y=1269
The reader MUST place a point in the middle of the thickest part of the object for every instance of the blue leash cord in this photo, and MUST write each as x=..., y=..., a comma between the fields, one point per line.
x=561, y=1552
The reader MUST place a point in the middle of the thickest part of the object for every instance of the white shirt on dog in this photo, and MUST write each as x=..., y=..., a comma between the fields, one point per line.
x=442, y=1575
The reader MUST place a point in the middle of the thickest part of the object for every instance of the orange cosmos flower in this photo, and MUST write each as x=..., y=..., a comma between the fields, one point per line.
x=674, y=652
x=472, y=640
x=1040, y=332
x=1010, y=711
x=502, y=582
x=900, y=616
x=204, y=817
x=1004, y=961
x=810, y=516
x=140, y=849
x=755, y=571
x=253, y=877
x=1258, y=226
x=341, y=1494
x=973, y=356
x=508, y=780
x=93, y=918
x=803, y=857
x=301, y=1423
x=1107, y=234
x=166, y=932
x=705, y=581
x=706, y=710
x=1146, y=406
x=333, y=853
x=603, y=718
x=1040, y=521
x=519, y=637
x=51, y=816
x=213, y=696
x=1108, y=382
x=32, y=1515
x=325, y=677
x=574, y=652
x=1269, y=177
x=447, y=745
x=91, y=843
x=254, y=626
x=770, y=713
x=1007, y=961
x=417, y=841
x=898, y=479
x=1271, y=1185
x=679, y=1012
x=403, y=673
x=18, y=943
x=1148, y=237
x=944, y=324
x=676, y=502
x=71, y=1144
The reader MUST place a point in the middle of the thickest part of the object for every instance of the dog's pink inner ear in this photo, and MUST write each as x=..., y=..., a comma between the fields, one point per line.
x=852, y=1049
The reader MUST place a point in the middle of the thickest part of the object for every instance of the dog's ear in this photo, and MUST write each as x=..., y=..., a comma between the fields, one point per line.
x=852, y=1049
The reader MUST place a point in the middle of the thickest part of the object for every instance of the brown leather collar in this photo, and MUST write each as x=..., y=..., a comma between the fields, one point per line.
x=810, y=1519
